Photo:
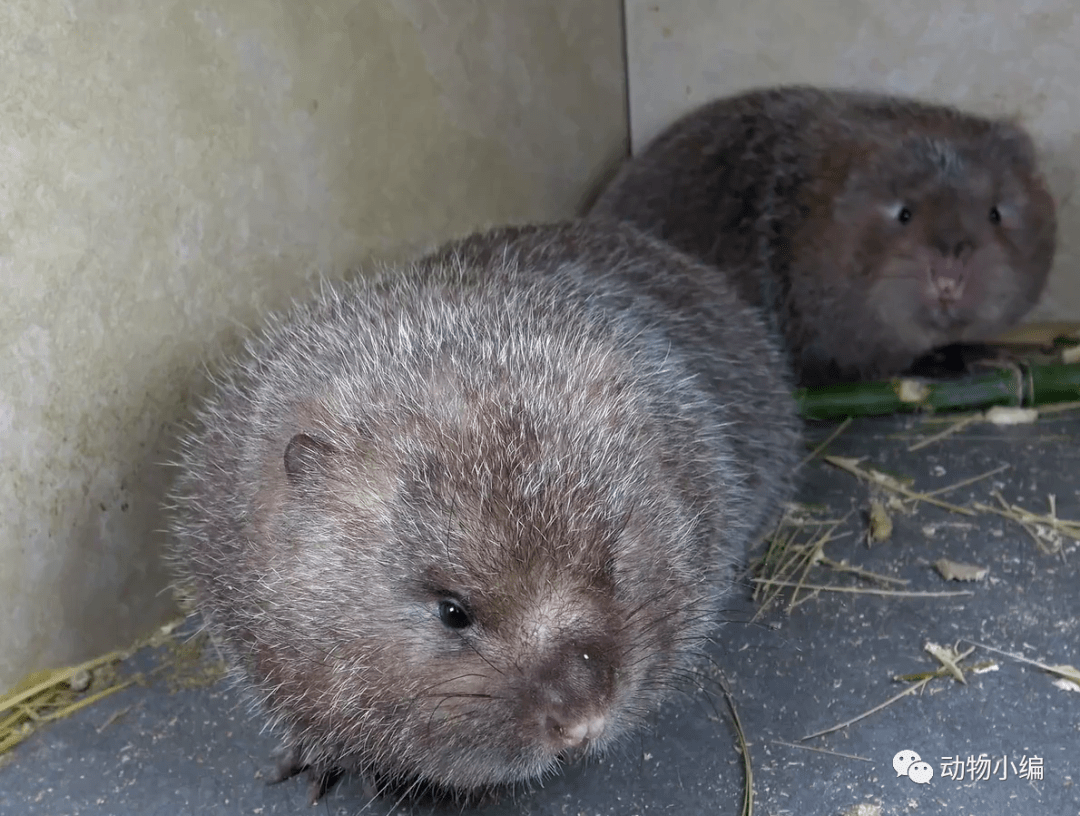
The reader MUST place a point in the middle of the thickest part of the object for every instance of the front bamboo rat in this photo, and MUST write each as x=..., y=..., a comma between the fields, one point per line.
x=459, y=521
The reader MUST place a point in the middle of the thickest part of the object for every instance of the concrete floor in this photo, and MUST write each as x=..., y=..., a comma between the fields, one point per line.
x=197, y=750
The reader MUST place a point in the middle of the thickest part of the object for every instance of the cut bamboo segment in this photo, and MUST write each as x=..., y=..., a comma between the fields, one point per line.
x=1023, y=385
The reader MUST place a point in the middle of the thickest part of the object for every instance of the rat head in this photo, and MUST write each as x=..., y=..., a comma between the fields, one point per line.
x=476, y=585
x=949, y=232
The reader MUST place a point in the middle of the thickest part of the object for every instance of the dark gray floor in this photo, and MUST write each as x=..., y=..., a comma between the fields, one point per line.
x=197, y=751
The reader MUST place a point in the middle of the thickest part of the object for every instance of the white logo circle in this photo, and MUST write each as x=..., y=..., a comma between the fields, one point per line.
x=920, y=772
x=902, y=762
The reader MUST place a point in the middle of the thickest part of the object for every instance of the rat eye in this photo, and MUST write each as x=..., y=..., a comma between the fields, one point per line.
x=903, y=215
x=995, y=215
x=453, y=614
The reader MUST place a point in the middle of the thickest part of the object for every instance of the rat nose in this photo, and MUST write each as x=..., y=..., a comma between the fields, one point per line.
x=961, y=249
x=953, y=246
x=570, y=696
x=568, y=732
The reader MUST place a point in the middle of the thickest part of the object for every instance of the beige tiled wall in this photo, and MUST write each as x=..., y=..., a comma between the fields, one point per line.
x=170, y=170
x=997, y=57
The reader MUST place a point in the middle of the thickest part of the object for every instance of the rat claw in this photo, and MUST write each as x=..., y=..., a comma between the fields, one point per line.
x=289, y=764
x=319, y=782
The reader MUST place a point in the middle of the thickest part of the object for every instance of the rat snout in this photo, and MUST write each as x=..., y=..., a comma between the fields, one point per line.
x=571, y=693
x=954, y=247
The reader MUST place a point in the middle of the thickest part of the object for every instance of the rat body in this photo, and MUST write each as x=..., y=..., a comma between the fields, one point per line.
x=871, y=228
x=455, y=522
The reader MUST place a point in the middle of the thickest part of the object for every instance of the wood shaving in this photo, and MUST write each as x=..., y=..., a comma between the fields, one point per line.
x=891, y=483
x=1007, y=415
x=956, y=571
x=1069, y=673
x=863, y=810
x=960, y=424
x=1046, y=530
x=881, y=526
x=911, y=391
x=948, y=658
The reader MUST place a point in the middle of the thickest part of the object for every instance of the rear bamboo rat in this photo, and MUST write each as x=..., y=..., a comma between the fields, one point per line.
x=871, y=228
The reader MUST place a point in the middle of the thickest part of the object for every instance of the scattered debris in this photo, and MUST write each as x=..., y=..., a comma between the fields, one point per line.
x=948, y=658
x=828, y=441
x=185, y=666
x=912, y=391
x=881, y=525
x=744, y=749
x=950, y=667
x=820, y=750
x=791, y=555
x=863, y=809
x=956, y=571
x=1046, y=530
x=930, y=530
x=81, y=680
x=965, y=482
x=49, y=695
x=910, y=690
x=892, y=484
x=1009, y=415
x=958, y=425
x=1070, y=673
x=843, y=566
x=116, y=715
x=896, y=593
x=896, y=504
x=42, y=697
x=786, y=556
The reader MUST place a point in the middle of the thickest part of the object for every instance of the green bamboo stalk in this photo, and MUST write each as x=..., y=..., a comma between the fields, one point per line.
x=1024, y=385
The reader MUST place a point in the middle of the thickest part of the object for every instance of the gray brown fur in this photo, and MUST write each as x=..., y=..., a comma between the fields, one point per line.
x=569, y=431
x=797, y=193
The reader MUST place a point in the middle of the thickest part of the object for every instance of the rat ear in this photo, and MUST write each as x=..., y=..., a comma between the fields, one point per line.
x=307, y=458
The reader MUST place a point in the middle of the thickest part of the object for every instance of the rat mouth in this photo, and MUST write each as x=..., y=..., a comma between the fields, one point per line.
x=945, y=287
x=946, y=315
x=574, y=754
